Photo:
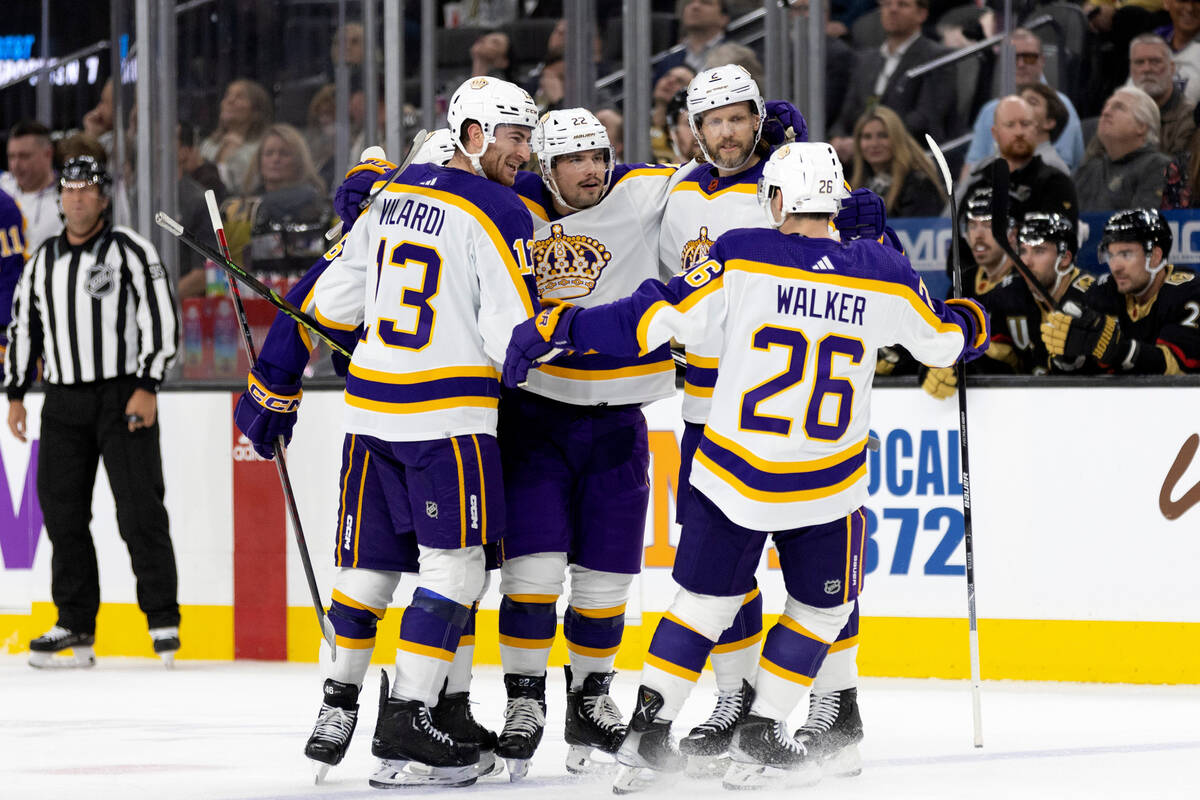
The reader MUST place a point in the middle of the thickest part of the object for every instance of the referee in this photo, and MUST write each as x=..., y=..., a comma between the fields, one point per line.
x=94, y=304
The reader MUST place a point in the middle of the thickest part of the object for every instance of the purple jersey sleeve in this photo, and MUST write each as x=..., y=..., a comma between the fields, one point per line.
x=12, y=258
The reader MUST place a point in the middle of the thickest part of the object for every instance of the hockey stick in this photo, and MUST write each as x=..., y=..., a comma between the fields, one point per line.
x=413, y=148
x=960, y=371
x=999, y=170
x=279, y=445
x=254, y=284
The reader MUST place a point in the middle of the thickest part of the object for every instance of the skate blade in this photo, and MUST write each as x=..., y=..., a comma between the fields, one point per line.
x=392, y=774
x=639, y=779
x=707, y=767
x=81, y=657
x=845, y=763
x=168, y=659
x=741, y=775
x=489, y=765
x=319, y=772
x=518, y=768
x=588, y=761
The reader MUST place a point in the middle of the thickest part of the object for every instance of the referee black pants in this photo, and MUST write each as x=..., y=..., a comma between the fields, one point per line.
x=80, y=424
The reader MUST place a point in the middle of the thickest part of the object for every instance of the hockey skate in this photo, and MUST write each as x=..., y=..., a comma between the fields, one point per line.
x=593, y=724
x=524, y=722
x=762, y=754
x=335, y=725
x=832, y=732
x=413, y=752
x=48, y=649
x=453, y=716
x=648, y=757
x=707, y=745
x=166, y=644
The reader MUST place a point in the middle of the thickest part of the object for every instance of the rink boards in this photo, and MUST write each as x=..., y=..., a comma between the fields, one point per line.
x=1083, y=553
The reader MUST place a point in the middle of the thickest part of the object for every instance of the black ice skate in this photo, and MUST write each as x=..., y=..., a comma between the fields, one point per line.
x=335, y=725
x=524, y=721
x=648, y=757
x=763, y=755
x=47, y=649
x=707, y=745
x=413, y=752
x=593, y=723
x=452, y=715
x=832, y=732
x=166, y=643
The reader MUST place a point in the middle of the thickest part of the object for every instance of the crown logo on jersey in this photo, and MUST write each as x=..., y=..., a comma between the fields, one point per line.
x=567, y=266
x=696, y=251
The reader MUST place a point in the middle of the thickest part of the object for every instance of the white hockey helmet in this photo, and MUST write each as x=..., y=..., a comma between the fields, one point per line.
x=491, y=102
x=570, y=130
x=809, y=177
x=438, y=148
x=719, y=87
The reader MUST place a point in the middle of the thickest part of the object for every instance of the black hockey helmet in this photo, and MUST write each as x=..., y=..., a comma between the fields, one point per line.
x=82, y=171
x=978, y=206
x=1038, y=227
x=1146, y=226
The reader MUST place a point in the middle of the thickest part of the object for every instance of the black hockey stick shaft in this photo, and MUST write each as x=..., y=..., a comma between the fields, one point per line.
x=279, y=445
x=1000, y=182
x=252, y=283
x=964, y=446
x=365, y=203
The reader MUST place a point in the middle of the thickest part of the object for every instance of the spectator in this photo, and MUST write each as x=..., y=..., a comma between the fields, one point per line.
x=194, y=165
x=98, y=123
x=1180, y=36
x=104, y=349
x=490, y=56
x=889, y=163
x=1049, y=121
x=614, y=124
x=925, y=104
x=245, y=113
x=1027, y=48
x=1129, y=172
x=31, y=181
x=842, y=15
x=702, y=24
x=193, y=209
x=319, y=131
x=734, y=53
x=1152, y=70
x=684, y=146
x=354, y=51
x=1140, y=318
x=671, y=82
x=283, y=203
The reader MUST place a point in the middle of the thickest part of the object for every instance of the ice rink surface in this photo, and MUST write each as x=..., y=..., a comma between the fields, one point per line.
x=214, y=730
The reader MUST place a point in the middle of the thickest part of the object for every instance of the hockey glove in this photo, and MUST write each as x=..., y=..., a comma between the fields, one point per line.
x=357, y=186
x=863, y=216
x=1076, y=331
x=536, y=338
x=977, y=327
x=940, y=382
x=886, y=360
x=784, y=123
x=265, y=412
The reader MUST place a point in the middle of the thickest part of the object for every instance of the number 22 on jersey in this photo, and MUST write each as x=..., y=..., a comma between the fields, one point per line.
x=824, y=383
x=414, y=272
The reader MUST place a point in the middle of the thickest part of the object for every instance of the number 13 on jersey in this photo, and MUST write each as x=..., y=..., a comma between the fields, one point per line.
x=417, y=268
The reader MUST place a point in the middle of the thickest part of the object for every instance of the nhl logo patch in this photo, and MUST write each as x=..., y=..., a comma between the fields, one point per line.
x=833, y=587
x=431, y=509
x=100, y=280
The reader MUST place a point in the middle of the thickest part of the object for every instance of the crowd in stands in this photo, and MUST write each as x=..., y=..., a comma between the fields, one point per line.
x=1103, y=118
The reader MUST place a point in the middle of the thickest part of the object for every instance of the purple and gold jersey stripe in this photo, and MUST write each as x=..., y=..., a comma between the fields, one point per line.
x=597, y=367
x=780, y=482
x=684, y=304
x=701, y=375
x=422, y=391
x=694, y=186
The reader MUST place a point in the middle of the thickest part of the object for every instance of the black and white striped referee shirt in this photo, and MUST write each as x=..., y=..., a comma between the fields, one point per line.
x=103, y=309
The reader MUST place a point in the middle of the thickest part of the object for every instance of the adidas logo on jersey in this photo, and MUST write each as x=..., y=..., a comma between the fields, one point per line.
x=429, y=182
x=567, y=266
x=823, y=265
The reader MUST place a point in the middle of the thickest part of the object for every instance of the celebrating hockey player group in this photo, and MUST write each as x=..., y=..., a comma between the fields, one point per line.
x=507, y=326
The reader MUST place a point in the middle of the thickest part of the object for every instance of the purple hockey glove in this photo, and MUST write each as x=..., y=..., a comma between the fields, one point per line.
x=784, y=123
x=536, y=338
x=863, y=216
x=265, y=412
x=978, y=326
x=357, y=186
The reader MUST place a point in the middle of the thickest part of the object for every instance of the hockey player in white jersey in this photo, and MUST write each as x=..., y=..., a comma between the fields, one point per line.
x=430, y=273
x=798, y=316
x=574, y=442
